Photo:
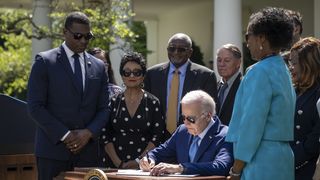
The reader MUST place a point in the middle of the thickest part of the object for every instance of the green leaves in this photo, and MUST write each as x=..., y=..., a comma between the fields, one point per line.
x=15, y=62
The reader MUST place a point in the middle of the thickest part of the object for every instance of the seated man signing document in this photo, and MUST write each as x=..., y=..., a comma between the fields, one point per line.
x=197, y=146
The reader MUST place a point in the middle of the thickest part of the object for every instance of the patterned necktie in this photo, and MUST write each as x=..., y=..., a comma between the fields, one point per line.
x=78, y=72
x=221, y=93
x=194, y=147
x=173, y=103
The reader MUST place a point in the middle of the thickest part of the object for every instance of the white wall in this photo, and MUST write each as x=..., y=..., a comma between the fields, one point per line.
x=193, y=19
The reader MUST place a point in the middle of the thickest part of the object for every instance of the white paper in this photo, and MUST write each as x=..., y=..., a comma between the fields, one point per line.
x=132, y=172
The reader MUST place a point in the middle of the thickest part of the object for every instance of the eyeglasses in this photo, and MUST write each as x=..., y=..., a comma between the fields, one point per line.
x=78, y=36
x=135, y=73
x=246, y=36
x=191, y=119
x=179, y=49
x=292, y=63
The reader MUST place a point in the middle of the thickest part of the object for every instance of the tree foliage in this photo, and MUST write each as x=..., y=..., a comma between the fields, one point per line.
x=14, y=65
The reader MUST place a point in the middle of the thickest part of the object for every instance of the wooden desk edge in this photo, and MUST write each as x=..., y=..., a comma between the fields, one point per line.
x=80, y=173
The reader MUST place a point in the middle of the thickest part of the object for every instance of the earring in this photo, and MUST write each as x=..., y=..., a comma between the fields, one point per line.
x=142, y=85
x=123, y=86
x=261, y=48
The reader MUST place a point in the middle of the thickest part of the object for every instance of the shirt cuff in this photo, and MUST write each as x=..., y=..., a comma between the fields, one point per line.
x=64, y=137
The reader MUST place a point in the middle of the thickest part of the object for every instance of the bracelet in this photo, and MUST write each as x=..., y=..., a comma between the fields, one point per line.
x=120, y=165
x=232, y=173
x=137, y=160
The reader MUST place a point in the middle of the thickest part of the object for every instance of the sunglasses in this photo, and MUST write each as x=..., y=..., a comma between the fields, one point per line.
x=135, y=73
x=246, y=36
x=78, y=36
x=191, y=119
x=179, y=49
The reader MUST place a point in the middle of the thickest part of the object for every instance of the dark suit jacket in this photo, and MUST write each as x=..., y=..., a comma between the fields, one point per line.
x=214, y=156
x=225, y=110
x=56, y=105
x=197, y=77
x=306, y=133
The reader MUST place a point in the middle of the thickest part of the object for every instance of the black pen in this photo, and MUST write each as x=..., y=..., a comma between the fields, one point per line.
x=148, y=157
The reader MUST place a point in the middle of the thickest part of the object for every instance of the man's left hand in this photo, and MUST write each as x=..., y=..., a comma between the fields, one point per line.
x=82, y=138
x=165, y=168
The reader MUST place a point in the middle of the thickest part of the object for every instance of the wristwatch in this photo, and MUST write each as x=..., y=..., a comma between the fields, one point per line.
x=181, y=168
x=232, y=173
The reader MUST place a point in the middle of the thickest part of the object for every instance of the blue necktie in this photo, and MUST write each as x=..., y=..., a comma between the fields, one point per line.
x=194, y=148
x=77, y=72
x=221, y=92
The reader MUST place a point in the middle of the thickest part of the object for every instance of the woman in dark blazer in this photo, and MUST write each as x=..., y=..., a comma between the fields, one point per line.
x=304, y=66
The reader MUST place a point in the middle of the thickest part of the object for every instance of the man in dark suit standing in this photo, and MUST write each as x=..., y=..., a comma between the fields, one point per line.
x=197, y=146
x=67, y=99
x=228, y=65
x=170, y=81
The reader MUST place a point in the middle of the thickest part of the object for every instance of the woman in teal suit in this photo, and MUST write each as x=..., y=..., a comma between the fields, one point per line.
x=261, y=126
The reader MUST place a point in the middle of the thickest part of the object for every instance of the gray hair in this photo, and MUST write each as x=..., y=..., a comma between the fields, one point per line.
x=206, y=101
x=233, y=49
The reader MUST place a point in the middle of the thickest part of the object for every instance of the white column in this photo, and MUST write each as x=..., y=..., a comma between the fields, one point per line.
x=41, y=11
x=227, y=25
x=152, y=41
x=316, y=18
x=115, y=55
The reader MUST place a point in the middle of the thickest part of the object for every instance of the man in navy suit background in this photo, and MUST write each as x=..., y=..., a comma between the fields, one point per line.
x=212, y=156
x=67, y=99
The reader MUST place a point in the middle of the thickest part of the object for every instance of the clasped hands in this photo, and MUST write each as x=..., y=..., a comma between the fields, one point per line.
x=159, y=169
x=77, y=139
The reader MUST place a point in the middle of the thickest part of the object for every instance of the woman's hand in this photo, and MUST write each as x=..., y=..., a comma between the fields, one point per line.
x=132, y=164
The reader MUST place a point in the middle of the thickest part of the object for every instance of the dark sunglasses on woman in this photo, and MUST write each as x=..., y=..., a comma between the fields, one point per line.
x=135, y=73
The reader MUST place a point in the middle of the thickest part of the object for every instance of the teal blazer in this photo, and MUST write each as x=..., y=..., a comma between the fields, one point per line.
x=264, y=108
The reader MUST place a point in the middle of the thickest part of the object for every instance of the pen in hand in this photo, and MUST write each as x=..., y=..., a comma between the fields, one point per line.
x=148, y=157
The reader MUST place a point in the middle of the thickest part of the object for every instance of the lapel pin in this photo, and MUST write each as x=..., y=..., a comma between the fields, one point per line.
x=89, y=63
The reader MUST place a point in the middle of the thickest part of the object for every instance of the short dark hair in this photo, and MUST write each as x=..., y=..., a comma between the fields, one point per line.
x=76, y=17
x=97, y=50
x=134, y=57
x=275, y=24
x=297, y=19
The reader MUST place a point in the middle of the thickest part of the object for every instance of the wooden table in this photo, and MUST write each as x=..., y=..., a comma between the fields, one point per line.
x=80, y=173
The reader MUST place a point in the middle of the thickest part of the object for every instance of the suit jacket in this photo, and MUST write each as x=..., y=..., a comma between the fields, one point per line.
x=57, y=105
x=197, y=77
x=225, y=110
x=264, y=108
x=306, y=133
x=214, y=155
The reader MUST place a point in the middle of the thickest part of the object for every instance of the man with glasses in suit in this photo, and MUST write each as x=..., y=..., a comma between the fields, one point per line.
x=197, y=146
x=170, y=81
x=67, y=99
